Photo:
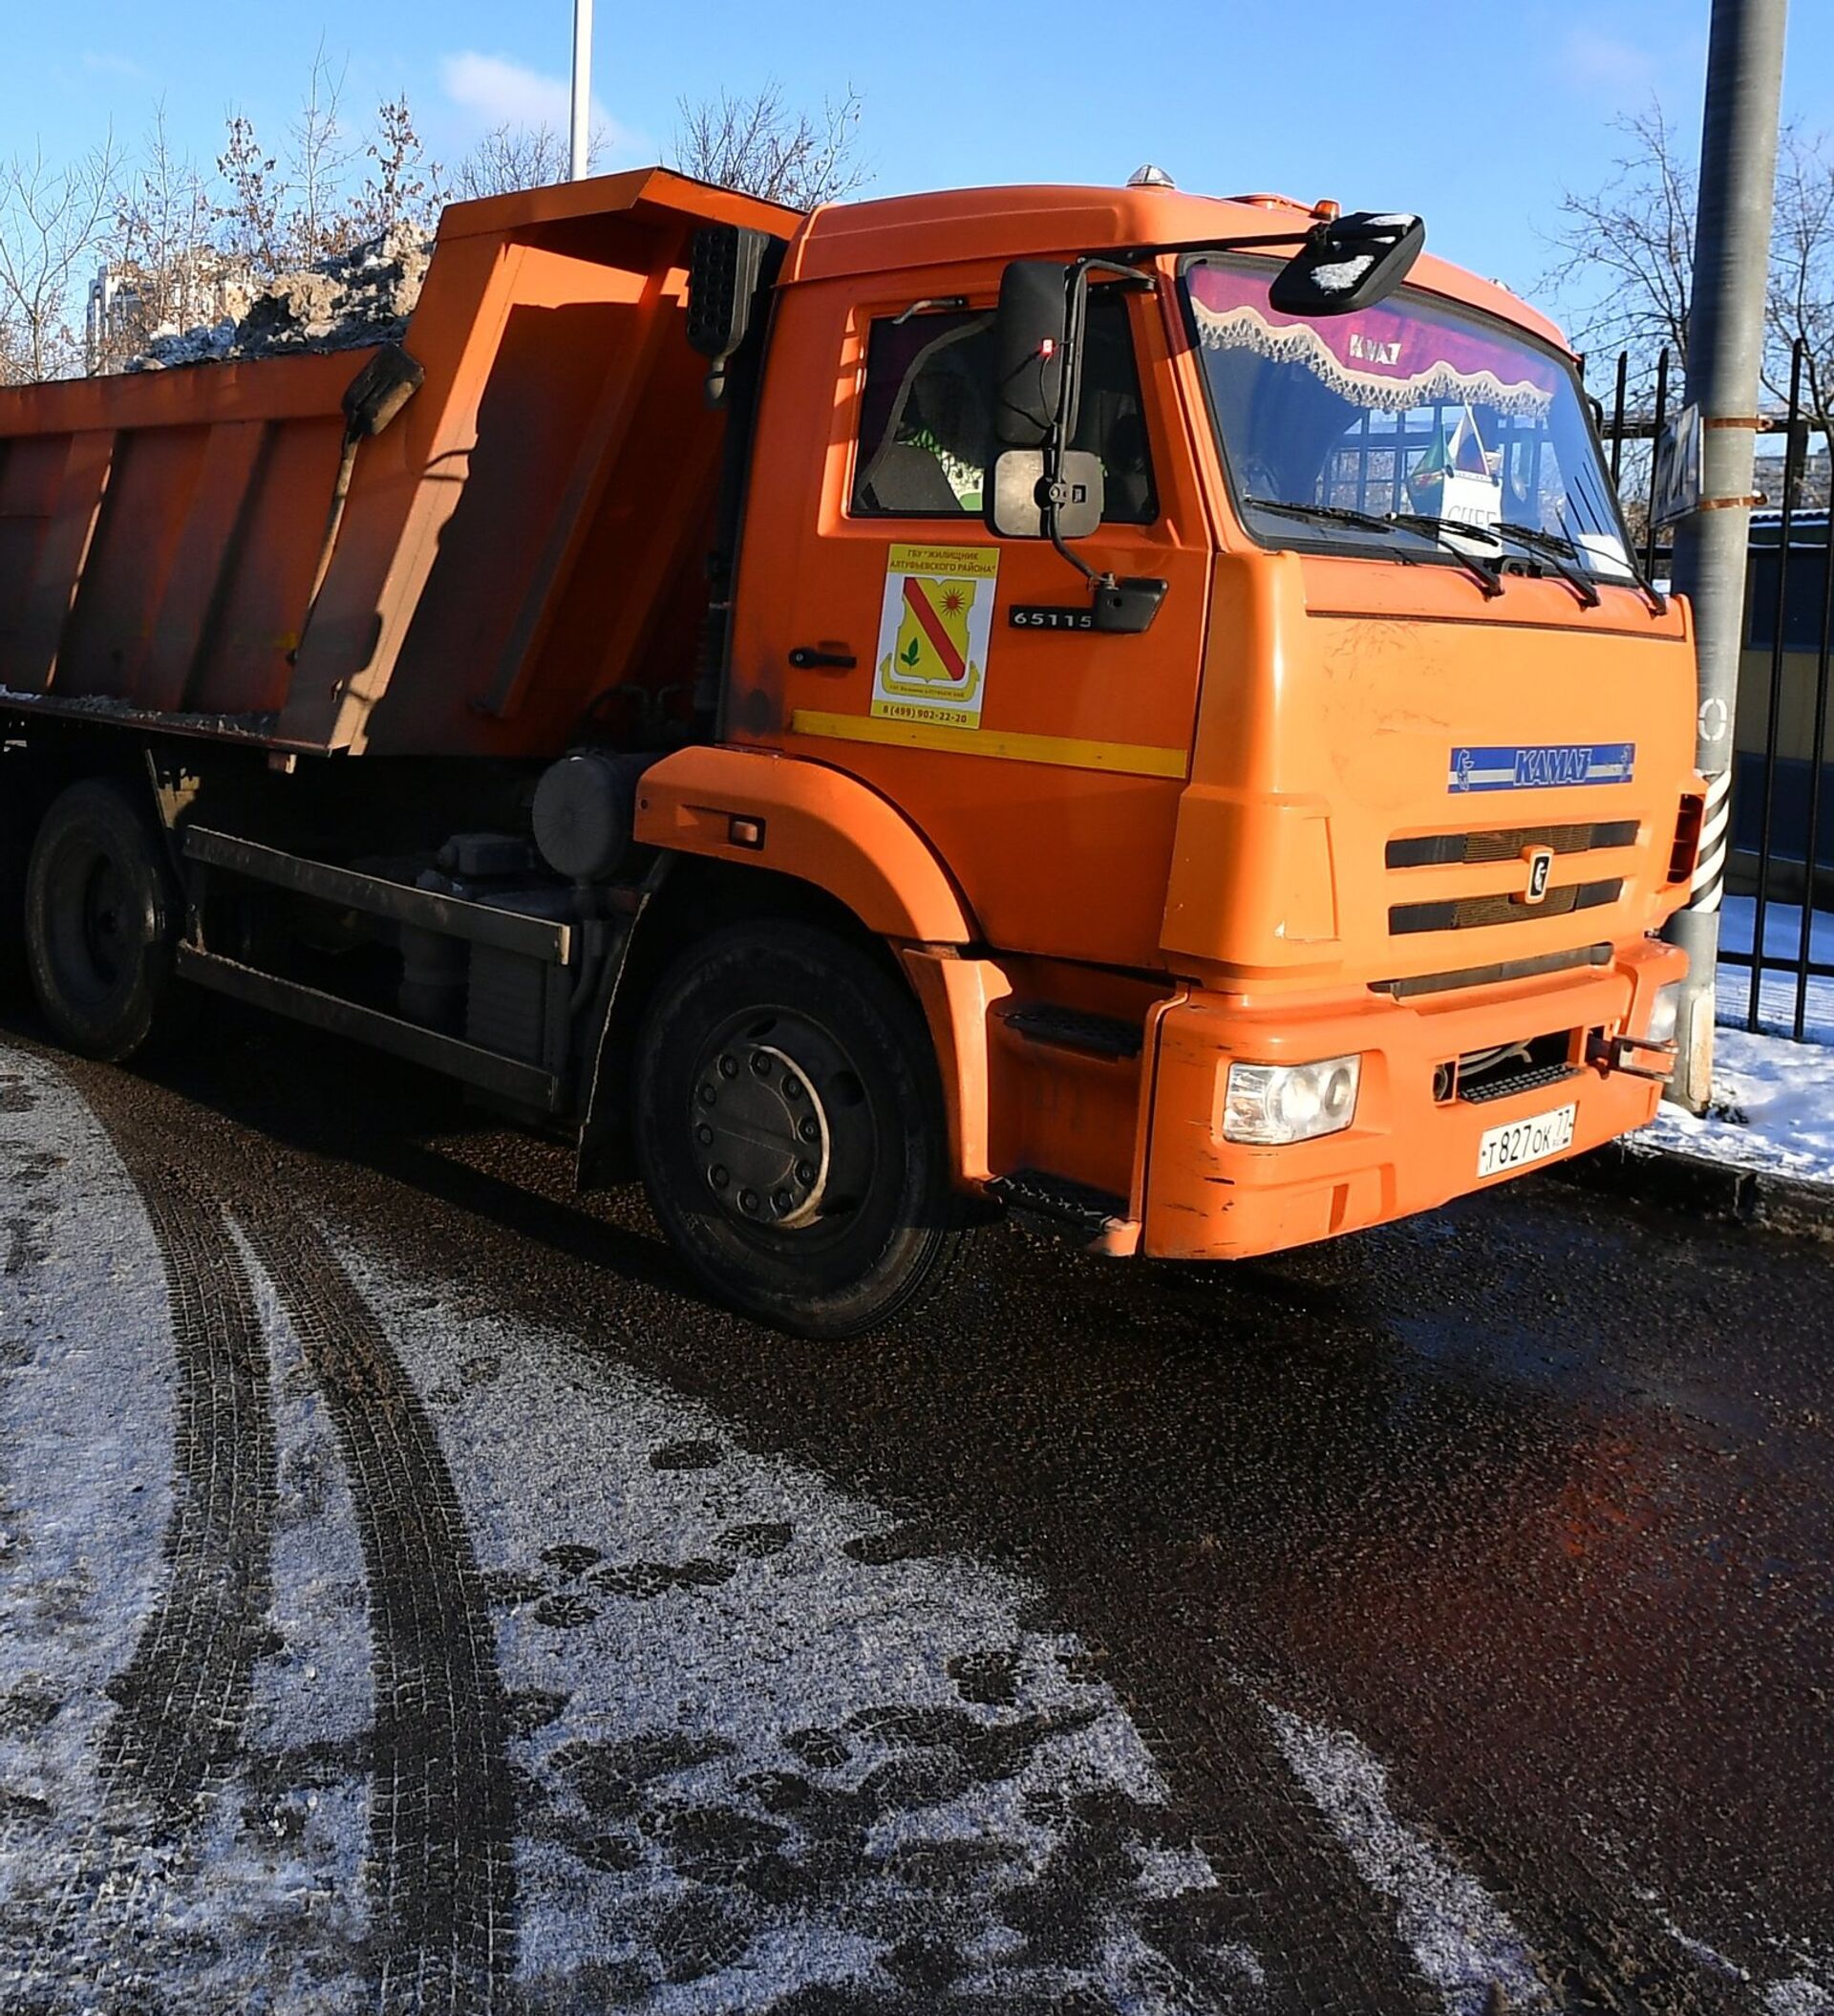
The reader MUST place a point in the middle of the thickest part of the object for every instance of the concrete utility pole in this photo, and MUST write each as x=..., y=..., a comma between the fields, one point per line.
x=1725, y=347
x=579, y=138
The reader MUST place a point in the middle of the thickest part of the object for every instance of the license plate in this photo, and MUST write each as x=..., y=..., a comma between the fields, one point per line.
x=1521, y=1142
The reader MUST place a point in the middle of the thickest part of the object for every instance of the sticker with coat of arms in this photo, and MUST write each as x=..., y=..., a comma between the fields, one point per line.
x=930, y=664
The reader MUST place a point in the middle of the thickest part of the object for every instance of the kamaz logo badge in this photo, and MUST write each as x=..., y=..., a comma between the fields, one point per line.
x=1541, y=864
x=1542, y=766
x=1372, y=350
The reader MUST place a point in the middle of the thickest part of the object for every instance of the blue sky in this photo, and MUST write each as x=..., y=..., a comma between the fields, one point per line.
x=1474, y=114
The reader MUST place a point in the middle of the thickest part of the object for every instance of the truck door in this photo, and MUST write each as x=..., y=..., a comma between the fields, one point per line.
x=956, y=670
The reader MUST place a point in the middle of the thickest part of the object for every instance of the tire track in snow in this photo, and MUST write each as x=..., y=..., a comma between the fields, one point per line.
x=441, y=1874
x=442, y=1819
x=182, y=1699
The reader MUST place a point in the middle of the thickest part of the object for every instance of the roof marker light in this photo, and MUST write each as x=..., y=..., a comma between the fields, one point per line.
x=1147, y=176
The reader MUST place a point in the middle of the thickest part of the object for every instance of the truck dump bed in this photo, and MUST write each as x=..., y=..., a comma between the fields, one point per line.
x=522, y=545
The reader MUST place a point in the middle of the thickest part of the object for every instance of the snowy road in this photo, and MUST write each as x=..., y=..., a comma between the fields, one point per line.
x=411, y=1598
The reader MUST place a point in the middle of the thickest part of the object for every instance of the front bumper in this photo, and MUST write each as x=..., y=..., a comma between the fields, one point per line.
x=1208, y=1198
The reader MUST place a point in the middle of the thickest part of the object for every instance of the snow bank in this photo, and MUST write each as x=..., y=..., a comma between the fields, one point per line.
x=1772, y=1110
x=1773, y=1098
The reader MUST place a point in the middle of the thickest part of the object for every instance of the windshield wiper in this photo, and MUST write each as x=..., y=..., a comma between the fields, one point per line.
x=1553, y=547
x=1336, y=514
x=1556, y=544
x=1559, y=550
x=1342, y=514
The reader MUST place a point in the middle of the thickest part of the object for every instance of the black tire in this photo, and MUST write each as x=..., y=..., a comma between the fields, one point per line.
x=102, y=915
x=763, y=1028
x=17, y=813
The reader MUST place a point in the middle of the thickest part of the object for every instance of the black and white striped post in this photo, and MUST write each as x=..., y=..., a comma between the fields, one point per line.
x=1725, y=347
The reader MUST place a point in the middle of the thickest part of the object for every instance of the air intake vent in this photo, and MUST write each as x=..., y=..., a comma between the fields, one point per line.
x=1473, y=912
x=1472, y=850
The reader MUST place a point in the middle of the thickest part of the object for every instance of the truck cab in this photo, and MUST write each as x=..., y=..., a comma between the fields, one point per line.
x=1397, y=781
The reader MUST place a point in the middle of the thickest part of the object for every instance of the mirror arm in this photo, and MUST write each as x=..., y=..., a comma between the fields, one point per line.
x=1055, y=441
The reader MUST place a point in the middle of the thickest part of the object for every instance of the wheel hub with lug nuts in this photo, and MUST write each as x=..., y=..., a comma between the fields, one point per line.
x=760, y=1134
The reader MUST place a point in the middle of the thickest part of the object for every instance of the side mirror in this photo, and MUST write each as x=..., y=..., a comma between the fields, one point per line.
x=1347, y=264
x=1029, y=343
x=1017, y=507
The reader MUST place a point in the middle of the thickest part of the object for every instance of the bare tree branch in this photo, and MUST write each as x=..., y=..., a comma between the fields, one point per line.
x=1626, y=257
x=163, y=268
x=52, y=224
x=509, y=158
x=1625, y=249
x=757, y=144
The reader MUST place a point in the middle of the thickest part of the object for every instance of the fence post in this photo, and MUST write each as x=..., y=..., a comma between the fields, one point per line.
x=1774, y=711
x=1725, y=344
x=1816, y=747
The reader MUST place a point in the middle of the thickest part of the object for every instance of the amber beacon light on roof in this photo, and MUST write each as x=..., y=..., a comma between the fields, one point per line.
x=1120, y=704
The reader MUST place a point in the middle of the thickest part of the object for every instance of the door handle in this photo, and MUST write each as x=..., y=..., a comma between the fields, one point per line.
x=808, y=657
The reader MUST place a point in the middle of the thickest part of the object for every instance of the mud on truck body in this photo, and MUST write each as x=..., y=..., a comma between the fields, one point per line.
x=1127, y=705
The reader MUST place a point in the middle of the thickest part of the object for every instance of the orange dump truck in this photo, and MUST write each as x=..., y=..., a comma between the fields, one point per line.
x=1122, y=704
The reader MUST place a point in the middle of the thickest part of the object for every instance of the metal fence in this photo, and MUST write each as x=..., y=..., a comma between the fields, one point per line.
x=1781, y=860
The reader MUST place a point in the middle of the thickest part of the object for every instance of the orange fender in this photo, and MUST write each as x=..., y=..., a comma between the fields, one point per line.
x=755, y=807
x=758, y=809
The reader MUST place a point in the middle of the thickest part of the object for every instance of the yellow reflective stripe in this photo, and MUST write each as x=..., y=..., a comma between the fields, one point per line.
x=1122, y=758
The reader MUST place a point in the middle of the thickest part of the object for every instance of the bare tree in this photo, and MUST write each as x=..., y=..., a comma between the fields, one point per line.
x=1626, y=248
x=53, y=221
x=249, y=224
x=1800, y=303
x=401, y=189
x=320, y=159
x=163, y=266
x=1626, y=257
x=294, y=205
x=759, y=145
x=509, y=158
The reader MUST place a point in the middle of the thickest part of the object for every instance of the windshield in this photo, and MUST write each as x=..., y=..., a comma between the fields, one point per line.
x=1340, y=432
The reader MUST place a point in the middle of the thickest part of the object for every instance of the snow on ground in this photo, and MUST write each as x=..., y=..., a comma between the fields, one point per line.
x=1772, y=1110
x=1782, y=940
x=1460, y=1939
x=85, y=1490
x=739, y=1671
x=1773, y=1098
x=767, y=1735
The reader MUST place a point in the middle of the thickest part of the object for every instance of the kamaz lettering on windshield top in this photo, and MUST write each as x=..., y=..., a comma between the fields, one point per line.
x=1542, y=766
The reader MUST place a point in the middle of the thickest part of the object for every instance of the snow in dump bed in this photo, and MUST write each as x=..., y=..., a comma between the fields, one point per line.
x=349, y=299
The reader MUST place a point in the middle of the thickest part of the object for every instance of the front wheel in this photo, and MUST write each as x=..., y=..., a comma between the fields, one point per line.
x=790, y=1130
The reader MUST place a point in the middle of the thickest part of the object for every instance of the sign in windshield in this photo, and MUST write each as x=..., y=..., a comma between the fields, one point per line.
x=1412, y=425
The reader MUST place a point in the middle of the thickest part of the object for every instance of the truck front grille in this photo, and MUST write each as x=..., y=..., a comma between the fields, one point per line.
x=1472, y=912
x=1474, y=850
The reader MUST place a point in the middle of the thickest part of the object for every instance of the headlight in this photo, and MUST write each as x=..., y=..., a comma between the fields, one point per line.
x=1284, y=1103
x=1665, y=1012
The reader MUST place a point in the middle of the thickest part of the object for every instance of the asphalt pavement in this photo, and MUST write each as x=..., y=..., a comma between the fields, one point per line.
x=413, y=1595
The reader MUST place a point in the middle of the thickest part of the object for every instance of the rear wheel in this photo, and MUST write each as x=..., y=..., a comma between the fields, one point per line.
x=101, y=923
x=790, y=1130
x=16, y=816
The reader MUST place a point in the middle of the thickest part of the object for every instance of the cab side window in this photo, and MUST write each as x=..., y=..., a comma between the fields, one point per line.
x=927, y=418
